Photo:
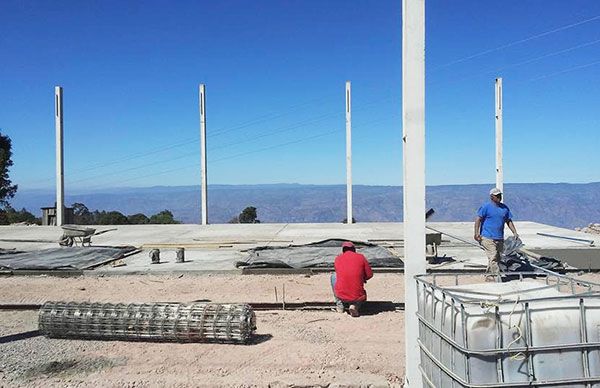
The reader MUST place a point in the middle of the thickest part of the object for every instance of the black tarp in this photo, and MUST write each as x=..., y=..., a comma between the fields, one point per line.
x=319, y=254
x=512, y=260
x=61, y=258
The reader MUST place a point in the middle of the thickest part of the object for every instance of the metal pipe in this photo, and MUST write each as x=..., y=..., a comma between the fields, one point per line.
x=591, y=242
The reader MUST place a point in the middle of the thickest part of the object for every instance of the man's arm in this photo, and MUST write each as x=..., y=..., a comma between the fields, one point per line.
x=477, y=231
x=512, y=228
x=368, y=271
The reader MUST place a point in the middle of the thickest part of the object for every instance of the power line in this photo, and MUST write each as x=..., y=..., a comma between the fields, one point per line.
x=566, y=70
x=517, y=64
x=516, y=42
x=135, y=168
x=279, y=145
x=551, y=54
x=175, y=145
x=195, y=139
x=298, y=125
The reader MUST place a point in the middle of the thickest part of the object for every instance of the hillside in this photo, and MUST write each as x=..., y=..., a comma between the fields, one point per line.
x=559, y=204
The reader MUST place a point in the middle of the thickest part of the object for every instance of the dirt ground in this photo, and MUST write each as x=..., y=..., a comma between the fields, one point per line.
x=293, y=348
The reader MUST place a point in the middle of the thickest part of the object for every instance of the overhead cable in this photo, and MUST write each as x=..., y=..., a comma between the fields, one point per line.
x=517, y=42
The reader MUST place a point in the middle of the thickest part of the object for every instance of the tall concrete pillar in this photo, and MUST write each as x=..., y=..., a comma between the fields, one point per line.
x=499, y=136
x=204, y=186
x=348, y=153
x=413, y=125
x=60, y=176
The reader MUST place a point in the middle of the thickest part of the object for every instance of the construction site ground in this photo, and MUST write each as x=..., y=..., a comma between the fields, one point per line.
x=293, y=347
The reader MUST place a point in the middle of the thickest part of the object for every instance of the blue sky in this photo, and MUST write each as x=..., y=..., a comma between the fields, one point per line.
x=275, y=73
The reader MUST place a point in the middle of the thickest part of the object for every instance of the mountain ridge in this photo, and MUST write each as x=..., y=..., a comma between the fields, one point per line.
x=560, y=204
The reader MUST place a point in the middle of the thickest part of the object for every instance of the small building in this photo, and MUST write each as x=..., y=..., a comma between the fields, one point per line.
x=49, y=215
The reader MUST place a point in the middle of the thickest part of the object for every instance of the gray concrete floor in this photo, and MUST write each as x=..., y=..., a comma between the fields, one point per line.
x=218, y=247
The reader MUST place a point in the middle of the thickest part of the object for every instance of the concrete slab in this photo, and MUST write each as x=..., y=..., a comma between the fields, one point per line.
x=218, y=247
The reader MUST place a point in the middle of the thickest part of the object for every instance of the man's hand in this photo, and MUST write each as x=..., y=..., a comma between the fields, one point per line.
x=477, y=237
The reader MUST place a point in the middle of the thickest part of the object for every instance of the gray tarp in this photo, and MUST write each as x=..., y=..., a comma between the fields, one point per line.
x=61, y=258
x=320, y=254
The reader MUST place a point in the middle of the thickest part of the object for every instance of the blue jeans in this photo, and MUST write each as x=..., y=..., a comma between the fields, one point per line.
x=341, y=303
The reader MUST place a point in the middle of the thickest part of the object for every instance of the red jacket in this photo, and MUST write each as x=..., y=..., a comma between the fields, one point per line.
x=352, y=270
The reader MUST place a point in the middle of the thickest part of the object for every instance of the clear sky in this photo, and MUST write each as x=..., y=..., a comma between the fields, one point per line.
x=275, y=74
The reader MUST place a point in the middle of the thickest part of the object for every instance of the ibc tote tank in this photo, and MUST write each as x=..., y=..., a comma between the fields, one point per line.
x=519, y=333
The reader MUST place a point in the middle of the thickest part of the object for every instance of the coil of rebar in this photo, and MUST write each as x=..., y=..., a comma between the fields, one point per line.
x=174, y=322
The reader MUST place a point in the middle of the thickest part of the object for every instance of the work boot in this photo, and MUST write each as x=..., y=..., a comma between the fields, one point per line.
x=353, y=311
x=339, y=307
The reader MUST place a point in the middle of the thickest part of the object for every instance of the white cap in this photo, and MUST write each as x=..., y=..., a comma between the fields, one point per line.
x=495, y=191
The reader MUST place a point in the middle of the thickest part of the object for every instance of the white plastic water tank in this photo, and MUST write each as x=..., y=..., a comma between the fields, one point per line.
x=502, y=334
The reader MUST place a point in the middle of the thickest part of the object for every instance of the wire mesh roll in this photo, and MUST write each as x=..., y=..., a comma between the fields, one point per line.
x=176, y=322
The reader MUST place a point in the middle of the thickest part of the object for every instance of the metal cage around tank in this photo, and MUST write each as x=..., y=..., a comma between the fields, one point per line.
x=526, y=332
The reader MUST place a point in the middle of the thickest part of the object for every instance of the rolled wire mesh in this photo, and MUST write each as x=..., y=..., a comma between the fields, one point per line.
x=176, y=322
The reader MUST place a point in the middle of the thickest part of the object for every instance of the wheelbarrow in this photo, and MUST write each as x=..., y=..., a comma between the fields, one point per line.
x=73, y=234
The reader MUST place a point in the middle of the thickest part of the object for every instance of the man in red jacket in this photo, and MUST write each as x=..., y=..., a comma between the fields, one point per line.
x=352, y=270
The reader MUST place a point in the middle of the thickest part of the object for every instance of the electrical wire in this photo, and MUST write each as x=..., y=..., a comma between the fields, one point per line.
x=570, y=69
x=517, y=42
x=521, y=63
x=195, y=139
x=212, y=161
x=281, y=130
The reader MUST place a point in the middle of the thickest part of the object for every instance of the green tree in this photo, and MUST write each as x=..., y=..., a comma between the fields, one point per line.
x=12, y=216
x=7, y=189
x=248, y=216
x=164, y=217
x=111, y=218
x=82, y=215
x=138, y=218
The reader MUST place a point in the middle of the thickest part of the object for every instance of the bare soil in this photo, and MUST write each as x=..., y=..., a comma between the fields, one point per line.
x=292, y=348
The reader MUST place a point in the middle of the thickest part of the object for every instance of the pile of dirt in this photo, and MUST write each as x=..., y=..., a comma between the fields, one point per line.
x=591, y=228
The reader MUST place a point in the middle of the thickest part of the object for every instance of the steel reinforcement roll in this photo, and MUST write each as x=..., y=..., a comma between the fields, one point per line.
x=174, y=322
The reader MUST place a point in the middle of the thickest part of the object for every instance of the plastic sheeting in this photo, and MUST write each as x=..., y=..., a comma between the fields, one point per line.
x=319, y=254
x=61, y=258
x=514, y=261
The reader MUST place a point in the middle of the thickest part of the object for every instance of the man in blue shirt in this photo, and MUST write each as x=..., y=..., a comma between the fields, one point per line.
x=489, y=228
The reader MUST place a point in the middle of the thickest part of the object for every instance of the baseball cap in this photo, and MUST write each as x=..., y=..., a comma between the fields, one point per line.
x=495, y=191
x=347, y=244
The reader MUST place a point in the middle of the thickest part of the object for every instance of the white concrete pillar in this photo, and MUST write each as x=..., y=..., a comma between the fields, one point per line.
x=413, y=125
x=348, y=153
x=60, y=176
x=499, y=135
x=204, y=186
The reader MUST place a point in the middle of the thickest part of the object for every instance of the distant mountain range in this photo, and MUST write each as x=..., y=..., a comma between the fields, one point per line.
x=558, y=204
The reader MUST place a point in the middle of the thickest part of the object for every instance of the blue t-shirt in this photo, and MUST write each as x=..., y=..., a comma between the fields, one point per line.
x=493, y=217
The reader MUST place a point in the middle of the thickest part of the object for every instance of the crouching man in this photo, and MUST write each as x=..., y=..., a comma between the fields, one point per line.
x=352, y=270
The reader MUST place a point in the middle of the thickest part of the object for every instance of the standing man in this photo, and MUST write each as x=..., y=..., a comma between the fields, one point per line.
x=489, y=228
x=352, y=270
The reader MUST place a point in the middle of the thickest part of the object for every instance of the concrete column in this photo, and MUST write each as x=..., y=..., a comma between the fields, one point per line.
x=499, y=135
x=204, y=188
x=348, y=153
x=60, y=176
x=413, y=125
